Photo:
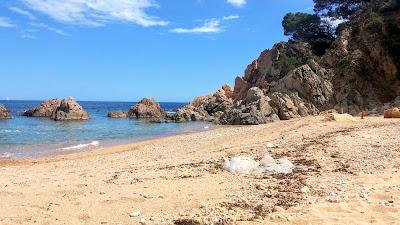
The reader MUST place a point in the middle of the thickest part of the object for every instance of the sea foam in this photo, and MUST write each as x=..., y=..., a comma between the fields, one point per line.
x=80, y=146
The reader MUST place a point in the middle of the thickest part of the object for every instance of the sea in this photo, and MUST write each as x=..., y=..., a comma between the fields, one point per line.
x=28, y=137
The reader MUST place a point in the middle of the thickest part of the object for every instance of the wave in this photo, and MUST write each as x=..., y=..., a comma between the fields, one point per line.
x=6, y=155
x=80, y=146
x=10, y=131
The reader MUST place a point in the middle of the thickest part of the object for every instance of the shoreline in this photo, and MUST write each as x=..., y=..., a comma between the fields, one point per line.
x=112, y=149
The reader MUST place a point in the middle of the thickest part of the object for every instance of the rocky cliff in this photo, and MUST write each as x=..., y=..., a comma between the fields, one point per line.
x=360, y=72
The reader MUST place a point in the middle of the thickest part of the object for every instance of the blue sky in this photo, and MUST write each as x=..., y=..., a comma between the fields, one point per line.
x=123, y=50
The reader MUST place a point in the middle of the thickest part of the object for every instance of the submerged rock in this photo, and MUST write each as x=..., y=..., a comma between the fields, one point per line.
x=4, y=113
x=117, y=114
x=146, y=109
x=69, y=109
x=46, y=109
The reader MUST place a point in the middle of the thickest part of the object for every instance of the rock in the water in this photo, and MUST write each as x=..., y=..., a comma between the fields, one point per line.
x=4, y=113
x=146, y=109
x=69, y=109
x=117, y=114
x=46, y=109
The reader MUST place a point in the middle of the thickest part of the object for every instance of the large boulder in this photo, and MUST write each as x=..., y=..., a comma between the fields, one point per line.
x=46, y=109
x=146, y=109
x=206, y=108
x=254, y=109
x=4, y=113
x=69, y=109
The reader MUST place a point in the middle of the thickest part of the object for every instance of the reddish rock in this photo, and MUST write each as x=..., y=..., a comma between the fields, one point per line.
x=4, y=113
x=46, y=109
x=69, y=109
x=146, y=108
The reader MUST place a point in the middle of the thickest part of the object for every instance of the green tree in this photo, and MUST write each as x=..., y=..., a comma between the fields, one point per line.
x=344, y=8
x=309, y=28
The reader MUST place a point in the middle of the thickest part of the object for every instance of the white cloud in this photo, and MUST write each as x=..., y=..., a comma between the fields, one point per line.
x=209, y=26
x=237, y=3
x=5, y=22
x=97, y=12
x=49, y=28
x=232, y=17
x=23, y=12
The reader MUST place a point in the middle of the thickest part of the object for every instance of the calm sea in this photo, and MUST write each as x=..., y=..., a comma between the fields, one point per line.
x=26, y=137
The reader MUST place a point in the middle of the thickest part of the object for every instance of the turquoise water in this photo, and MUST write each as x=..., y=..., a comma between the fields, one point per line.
x=26, y=137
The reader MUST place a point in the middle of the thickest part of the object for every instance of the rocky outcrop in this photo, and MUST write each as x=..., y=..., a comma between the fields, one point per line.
x=69, y=109
x=359, y=73
x=4, y=113
x=365, y=62
x=117, y=114
x=46, y=109
x=254, y=109
x=146, y=109
x=207, y=108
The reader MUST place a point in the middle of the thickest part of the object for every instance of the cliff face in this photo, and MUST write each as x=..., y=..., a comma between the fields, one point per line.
x=360, y=72
x=365, y=61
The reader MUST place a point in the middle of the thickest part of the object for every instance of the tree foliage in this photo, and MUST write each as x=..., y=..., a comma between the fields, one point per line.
x=309, y=28
x=339, y=8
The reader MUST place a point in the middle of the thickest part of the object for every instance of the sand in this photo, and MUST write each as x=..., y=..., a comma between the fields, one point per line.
x=347, y=173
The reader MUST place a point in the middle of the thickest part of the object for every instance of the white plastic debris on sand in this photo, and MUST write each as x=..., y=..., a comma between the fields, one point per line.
x=240, y=164
x=246, y=165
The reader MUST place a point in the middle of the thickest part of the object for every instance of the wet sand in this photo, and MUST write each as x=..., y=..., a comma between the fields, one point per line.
x=351, y=171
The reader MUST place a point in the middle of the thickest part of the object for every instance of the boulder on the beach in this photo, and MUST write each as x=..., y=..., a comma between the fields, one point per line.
x=253, y=110
x=205, y=108
x=4, y=113
x=392, y=113
x=339, y=117
x=146, y=109
x=69, y=109
x=117, y=114
x=46, y=109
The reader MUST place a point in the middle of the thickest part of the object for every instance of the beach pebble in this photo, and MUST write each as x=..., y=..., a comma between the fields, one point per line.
x=270, y=145
x=267, y=161
x=278, y=209
x=142, y=221
x=305, y=189
x=135, y=213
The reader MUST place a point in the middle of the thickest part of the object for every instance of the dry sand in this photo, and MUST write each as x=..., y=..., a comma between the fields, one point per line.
x=352, y=171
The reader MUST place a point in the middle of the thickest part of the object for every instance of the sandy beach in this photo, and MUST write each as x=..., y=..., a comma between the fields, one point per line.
x=350, y=173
